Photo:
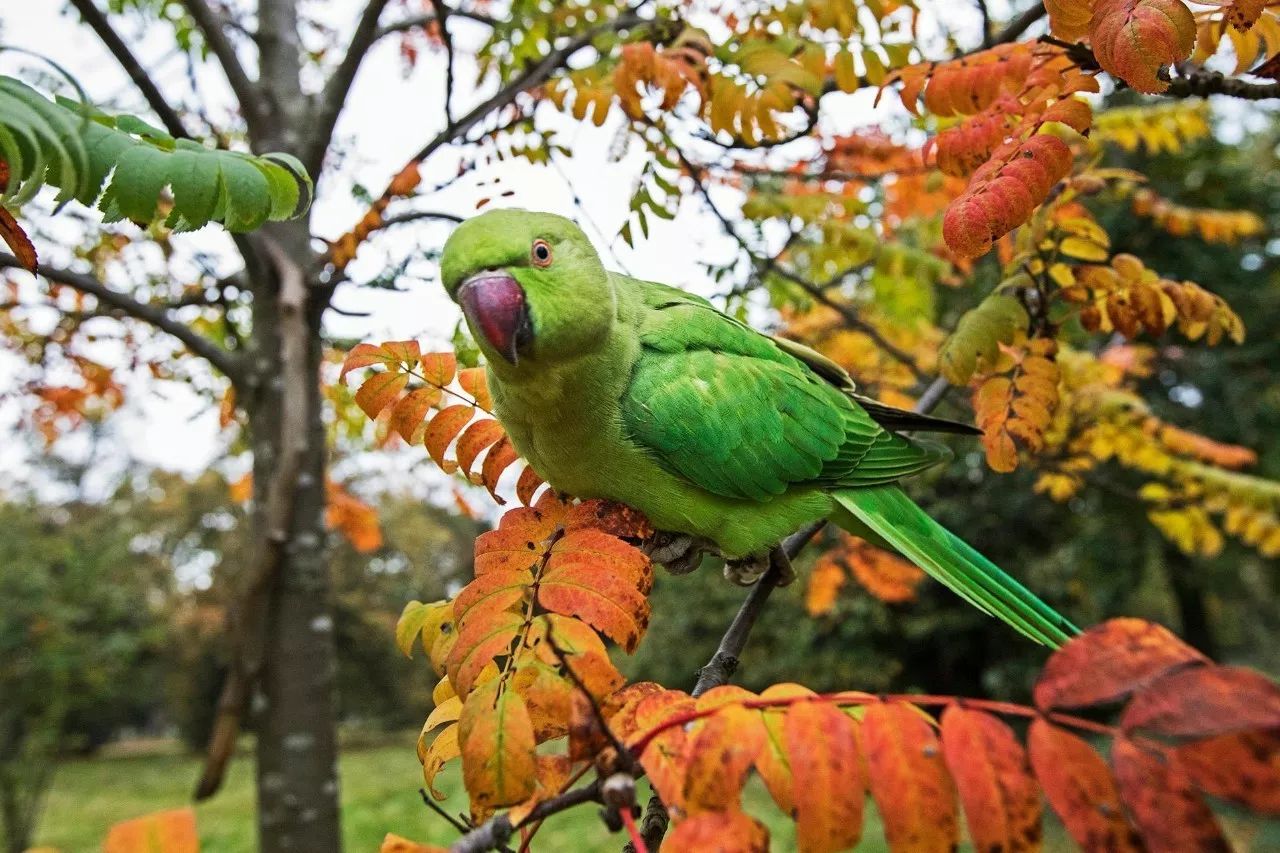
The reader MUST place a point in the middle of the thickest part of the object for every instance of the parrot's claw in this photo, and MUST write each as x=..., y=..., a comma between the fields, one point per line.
x=748, y=570
x=678, y=553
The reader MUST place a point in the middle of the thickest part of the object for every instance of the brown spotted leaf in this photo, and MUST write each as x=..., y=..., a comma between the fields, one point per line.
x=1078, y=784
x=908, y=779
x=1165, y=806
x=991, y=772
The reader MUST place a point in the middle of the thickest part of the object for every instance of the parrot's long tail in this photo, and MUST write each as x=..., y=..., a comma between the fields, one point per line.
x=889, y=513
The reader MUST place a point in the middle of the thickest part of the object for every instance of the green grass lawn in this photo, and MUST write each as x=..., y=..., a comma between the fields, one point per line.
x=379, y=795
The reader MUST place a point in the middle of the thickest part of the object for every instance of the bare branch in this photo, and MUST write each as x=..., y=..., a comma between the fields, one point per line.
x=99, y=23
x=246, y=91
x=154, y=315
x=418, y=215
x=534, y=76
x=334, y=95
x=415, y=21
x=1018, y=25
x=442, y=15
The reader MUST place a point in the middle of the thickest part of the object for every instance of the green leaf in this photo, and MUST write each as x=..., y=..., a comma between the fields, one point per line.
x=79, y=149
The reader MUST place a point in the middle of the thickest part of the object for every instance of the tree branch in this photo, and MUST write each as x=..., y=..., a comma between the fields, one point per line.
x=494, y=832
x=442, y=15
x=99, y=23
x=246, y=91
x=413, y=22
x=1202, y=83
x=334, y=95
x=221, y=359
x=534, y=76
x=1018, y=25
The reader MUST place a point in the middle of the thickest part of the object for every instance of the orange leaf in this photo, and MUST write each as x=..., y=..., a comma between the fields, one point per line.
x=575, y=645
x=721, y=751
x=548, y=696
x=475, y=440
x=822, y=749
x=478, y=643
x=365, y=355
x=1079, y=786
x=661, y=757
x=472, y=380
x=601, y=580
x=490, y=594
x=17, y=240
x=1001, y=799
x=1108, y=662
x=1134, y=39
x=718, y=832
x=1167, y=810
x=498, y=750
x=438, y=368
x=227, y=408
x=1243, y=768
x=886, y=576
x=410, y=413
x=353, y=518
x=442, y=430
x=771, y=762
x=379, y=390
x=241, y=489
x=1204, y=701
x=171, y=831
x=825, y=582
x=908, y=779
x=499, y=458
x=527, y=484
x=396, y=844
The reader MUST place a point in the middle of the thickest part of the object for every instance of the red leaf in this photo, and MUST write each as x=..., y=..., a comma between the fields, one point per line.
x=908, y=779
x=718, y=832
x=1170, y=814
x=1134, y=39
x=1204, y=701
x=1001, y=799
x=17, y=240
x=1243, y=768
x=1079, y=786
x=822, y=749
x=1108, y=662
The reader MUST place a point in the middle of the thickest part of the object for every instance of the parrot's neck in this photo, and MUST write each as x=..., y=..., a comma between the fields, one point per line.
x=564, y=413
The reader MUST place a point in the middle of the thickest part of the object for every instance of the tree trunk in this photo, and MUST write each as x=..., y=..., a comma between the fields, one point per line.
x=1188, y=595
x=293, y=705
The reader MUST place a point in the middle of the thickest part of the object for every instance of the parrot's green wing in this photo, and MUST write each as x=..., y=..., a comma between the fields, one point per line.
x=726, y=408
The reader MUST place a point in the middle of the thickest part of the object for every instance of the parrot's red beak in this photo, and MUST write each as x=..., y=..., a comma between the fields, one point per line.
x=495, y=307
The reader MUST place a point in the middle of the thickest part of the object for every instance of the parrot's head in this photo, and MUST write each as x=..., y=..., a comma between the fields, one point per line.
x=530, y=284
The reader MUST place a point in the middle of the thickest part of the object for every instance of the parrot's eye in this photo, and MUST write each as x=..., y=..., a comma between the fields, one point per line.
x=541, y=253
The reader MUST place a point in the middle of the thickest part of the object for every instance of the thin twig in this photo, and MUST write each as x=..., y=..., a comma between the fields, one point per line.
x=442, y=17
x=157, y=316
x=334, y=95
x=246, y=90
x=495, y=832
x=101, y=25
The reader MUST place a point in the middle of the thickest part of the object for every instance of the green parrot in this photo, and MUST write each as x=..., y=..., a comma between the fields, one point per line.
x=638, y=392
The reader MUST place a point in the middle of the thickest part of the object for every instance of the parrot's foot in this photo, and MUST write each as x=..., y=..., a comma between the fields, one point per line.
x=748, y=570
x=678, y=553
